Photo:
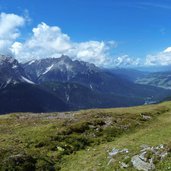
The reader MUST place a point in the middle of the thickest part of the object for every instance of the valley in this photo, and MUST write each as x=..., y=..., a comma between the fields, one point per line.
x=63, y=84
x=85, y=85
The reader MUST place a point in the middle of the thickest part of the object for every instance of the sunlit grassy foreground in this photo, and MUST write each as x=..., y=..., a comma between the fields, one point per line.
x=82, y=140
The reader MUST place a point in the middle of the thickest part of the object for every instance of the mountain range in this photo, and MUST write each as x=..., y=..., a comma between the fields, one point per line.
x=157, y=79
x=62, y=84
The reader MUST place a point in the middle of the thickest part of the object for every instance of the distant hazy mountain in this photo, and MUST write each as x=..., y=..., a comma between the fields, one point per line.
x=58, y=84
x=83, y=85
x=154, y=68
x=158, y=79
x=128, y=73
x=65, y=70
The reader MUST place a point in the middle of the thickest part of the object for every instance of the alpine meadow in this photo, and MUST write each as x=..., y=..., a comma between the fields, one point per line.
x=85, y=85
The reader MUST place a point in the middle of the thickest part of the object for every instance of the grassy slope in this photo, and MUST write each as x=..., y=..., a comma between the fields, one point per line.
x=80, y=141
x=96, y=158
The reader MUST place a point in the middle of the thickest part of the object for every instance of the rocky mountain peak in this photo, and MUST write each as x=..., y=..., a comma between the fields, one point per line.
x=11, y=71
x=65, y=58
x=7, y=59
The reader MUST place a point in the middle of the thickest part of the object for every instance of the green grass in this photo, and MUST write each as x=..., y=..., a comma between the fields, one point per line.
x=81, y=140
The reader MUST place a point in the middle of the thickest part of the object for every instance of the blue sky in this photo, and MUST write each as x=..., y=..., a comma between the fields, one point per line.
x=139, y=27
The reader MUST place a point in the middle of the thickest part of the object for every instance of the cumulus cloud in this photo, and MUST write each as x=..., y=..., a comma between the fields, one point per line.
x=167, y=50
x=46, y=41
x=93, y=51
x=161, y=58
x=9, y=24
x=50, y=41
x=125, y=60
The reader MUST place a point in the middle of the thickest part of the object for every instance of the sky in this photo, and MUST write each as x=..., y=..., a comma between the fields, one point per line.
x=105, y=32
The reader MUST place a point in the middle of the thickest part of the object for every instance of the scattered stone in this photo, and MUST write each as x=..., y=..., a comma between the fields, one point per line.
x=161, y=146
x=145, y=117
x=123, y=165
x=144, y=160
x=163, y=155
x=125, y=150
x=144, y=146
x=139, y=164
x=142, y=156
x=60, y=148
x=113, y=152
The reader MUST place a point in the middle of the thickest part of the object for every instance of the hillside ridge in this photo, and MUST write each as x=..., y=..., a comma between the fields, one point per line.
x=85, y=139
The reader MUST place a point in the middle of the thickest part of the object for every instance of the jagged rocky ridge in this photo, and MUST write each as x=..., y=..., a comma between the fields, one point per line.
x=71, y=84
x=11, y=72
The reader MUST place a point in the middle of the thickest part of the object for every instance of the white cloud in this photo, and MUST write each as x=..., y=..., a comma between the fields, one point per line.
x=161, y=58
x=49, y=41
x=167, y=50
x=125, y=61
x=45, y=41
x=92, y=51
x=9, y=32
